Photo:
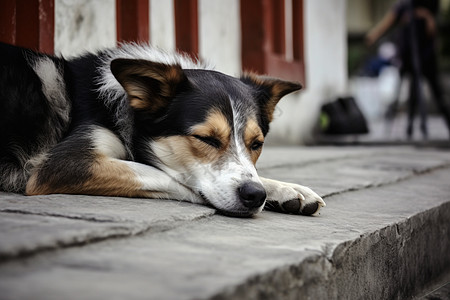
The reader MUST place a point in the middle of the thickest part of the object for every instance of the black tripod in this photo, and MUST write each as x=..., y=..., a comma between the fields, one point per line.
x=419, y=65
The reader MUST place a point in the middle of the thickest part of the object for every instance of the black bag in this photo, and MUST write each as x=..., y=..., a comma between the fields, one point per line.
x=343, y=116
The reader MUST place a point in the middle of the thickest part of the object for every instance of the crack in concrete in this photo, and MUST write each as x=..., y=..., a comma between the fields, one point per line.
x=71, y=217
x=117, y=230
x=320, y=161
x=58, y=245
x=414, y=173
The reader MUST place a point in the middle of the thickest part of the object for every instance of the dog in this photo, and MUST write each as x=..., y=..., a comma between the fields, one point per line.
x=136, y=121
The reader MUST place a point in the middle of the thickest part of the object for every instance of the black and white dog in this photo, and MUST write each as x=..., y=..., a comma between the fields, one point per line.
x=138, y=122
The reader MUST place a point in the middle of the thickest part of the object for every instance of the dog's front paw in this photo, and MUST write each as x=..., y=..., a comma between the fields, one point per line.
x=293, y=199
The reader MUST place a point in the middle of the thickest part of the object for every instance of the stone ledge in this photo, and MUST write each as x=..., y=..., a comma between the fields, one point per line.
x=382, y=235
x=396, y=261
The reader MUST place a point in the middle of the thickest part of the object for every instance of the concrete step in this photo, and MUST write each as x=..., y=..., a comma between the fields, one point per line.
x=385, y=234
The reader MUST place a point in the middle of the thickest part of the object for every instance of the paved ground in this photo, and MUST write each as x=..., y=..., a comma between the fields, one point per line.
x=393, y=132
x=385, y=234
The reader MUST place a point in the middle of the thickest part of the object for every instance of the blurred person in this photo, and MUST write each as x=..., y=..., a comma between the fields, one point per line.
x=416, y=44
x=385, y=57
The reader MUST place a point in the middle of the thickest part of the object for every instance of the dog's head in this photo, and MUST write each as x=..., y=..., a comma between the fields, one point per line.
x=203, y=128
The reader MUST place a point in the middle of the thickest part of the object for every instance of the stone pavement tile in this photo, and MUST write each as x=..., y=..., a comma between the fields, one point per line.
x=273, y=156
x=380, y=242
x=330, y=170
x=30, y=224
x=23, y=234
x=103, y=209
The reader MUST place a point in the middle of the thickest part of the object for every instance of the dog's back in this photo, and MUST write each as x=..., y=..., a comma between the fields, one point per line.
x=44, y=99
x=34, y=111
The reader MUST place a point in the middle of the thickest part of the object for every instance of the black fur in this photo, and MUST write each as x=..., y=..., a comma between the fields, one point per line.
x=24, y=115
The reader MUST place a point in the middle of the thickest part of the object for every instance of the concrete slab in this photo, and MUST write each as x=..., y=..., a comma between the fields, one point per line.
x=384, y=234
x=332, y=170
x=31, y=224
x=22, y=234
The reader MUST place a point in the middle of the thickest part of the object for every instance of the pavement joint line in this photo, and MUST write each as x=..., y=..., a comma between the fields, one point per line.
x=413, y=174
x=330, y=159
x=25, y=253
x=128, y=231
x=321, y=161
x=87, y=219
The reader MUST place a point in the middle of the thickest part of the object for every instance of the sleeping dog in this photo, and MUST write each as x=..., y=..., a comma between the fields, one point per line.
x=139, y=122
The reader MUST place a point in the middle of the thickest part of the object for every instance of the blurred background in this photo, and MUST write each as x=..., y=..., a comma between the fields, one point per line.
x=357, y=89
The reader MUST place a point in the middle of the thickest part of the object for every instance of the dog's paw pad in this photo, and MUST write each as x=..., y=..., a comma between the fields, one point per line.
x=291, y=206
x=294, y=207
x=310, y=208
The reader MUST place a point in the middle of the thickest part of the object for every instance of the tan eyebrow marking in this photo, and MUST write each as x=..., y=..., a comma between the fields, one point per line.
x=190, y=149
x=215, y=125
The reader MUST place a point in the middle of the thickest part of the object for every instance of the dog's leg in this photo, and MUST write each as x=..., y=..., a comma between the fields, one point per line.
x=291, y=198
x=113, y=177
x=92, y=162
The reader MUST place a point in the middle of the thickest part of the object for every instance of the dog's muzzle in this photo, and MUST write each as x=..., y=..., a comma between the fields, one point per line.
x=252, y=194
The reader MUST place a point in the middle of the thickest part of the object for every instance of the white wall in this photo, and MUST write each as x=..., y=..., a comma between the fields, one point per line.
x=220, y=35
x=326, y=72
x=84, y=25
x=162, y=24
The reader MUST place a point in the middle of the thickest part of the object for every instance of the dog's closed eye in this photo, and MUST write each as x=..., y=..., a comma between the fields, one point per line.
x=209, y=140
x=256, y=145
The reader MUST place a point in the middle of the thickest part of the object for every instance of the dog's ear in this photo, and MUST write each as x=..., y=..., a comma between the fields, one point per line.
x=150, y=85
x=270, y=91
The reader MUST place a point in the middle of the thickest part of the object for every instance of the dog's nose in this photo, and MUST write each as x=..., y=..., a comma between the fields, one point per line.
x=252, y=194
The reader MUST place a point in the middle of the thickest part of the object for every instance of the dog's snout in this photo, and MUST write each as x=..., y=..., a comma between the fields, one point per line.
x=252, y=194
